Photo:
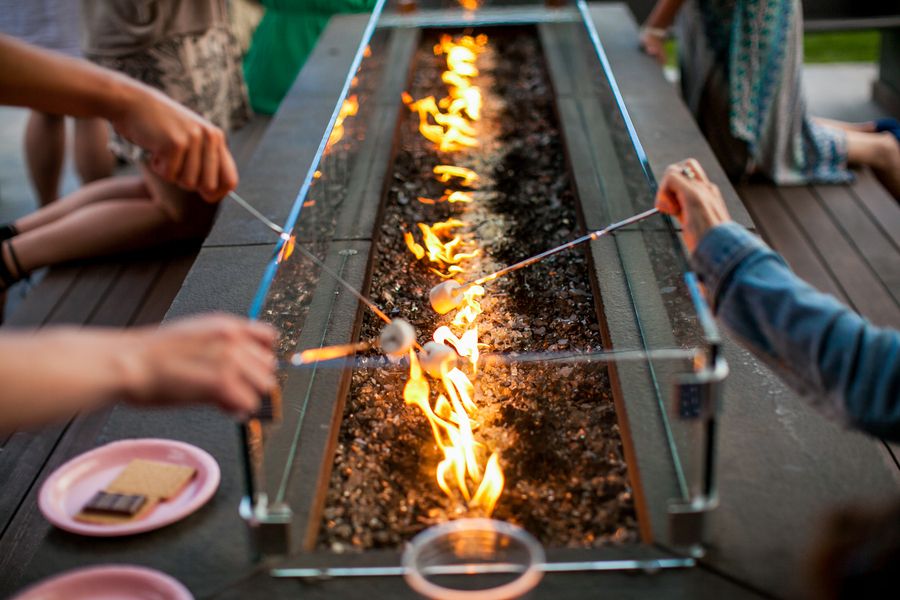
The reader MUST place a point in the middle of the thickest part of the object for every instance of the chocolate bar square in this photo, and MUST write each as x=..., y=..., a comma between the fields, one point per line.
x=117, y=504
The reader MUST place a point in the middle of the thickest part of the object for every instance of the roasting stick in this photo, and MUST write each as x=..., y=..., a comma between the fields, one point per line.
x=259, y=216
x=448, y=295
x=286, y=236
x=647, y=565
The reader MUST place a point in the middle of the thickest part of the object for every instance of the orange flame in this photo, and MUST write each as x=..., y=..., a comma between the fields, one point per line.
x=287, y=249
x=466, y=466
x=453, y=430
x=446, y=172
x=470, y=307
x=442, y=253
x=414, y=246
x=348, y=109
x=449, y=196
x=466, y=346
x=454, y=197
x=450, y=131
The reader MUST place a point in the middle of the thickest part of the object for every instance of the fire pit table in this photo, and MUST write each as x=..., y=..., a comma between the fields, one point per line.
x=583, y=399
x=465, y=141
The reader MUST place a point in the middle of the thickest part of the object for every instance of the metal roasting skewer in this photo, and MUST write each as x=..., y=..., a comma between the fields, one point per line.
x=585, y=238
x=259, y=216
x=509, y=358
x=649, y=566
x=286, y=236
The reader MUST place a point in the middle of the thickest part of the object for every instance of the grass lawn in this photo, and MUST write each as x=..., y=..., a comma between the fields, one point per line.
x=852, y=46
x=830, y=47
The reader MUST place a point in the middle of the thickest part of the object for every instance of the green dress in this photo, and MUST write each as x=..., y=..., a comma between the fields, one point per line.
x=285, y=37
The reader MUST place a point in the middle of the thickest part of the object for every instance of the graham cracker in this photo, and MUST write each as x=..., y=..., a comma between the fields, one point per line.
x=151, y=478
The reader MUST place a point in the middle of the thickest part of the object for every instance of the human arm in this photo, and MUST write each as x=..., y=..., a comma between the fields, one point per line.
x=183, y=148
x=218, y=360
x=825, y=350
x=653, y=32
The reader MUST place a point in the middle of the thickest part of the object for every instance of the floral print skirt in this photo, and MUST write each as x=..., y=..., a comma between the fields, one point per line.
x=200, y=71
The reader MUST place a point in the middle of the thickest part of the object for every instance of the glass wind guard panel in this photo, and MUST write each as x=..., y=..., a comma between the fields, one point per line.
x=574, y=350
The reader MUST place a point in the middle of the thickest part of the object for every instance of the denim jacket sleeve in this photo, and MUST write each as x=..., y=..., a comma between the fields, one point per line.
x=846, y=365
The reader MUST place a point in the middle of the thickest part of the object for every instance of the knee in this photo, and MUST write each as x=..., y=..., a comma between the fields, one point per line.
x=888, y=155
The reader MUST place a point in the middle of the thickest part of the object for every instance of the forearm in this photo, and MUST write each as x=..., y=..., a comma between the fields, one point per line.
x=57, y=84
x=820, y=345
x=663, y=14
x=53, y=374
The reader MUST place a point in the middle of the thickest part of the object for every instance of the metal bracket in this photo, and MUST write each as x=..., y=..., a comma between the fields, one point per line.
x=697, y=398
x=270, y=526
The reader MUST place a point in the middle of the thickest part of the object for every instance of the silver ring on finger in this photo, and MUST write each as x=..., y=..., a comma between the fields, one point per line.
x=688, y=172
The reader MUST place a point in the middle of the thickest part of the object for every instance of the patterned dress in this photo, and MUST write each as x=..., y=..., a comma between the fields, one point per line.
x=741, y=64
x=200, y=69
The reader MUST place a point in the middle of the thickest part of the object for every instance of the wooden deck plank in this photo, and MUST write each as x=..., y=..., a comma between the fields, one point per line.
x=86, y=294
x=46, y=296
x=127, y=293
x=783, y=234
x=21, y=459
x=869, y=239
x=881, y=205
x=866, y=293
x=165, y=288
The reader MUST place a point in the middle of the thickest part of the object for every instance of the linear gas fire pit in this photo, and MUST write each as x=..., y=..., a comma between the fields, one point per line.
x=579, y=399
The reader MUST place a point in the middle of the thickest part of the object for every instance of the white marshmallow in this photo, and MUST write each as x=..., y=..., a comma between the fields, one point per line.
x=445, y=297
x=397, y=338
x=435, y=356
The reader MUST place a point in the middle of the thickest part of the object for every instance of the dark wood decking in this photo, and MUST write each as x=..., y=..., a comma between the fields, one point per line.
x=843, y=239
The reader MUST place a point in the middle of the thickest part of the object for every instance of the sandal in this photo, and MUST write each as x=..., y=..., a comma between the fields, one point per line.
x=7, y=231
x=7, y=277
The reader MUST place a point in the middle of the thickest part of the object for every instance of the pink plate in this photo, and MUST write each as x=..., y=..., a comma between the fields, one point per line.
x=74, y=483
x=108, y=582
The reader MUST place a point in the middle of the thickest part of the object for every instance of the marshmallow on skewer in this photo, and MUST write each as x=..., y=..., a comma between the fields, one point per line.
x=445, y=296
x=437, y=357
x=397, y=338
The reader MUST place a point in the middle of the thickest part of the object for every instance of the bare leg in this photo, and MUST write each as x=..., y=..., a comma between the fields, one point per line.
x=45, y=151
x=99, y=224
x=881, y=152
x=867, y=127
x=121, y=188
x=93, y=160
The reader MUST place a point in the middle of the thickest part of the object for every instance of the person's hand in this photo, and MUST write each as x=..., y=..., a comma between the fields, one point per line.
x=183, y=148
x=220, y=360
x=653, y=43
x=687, y=194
